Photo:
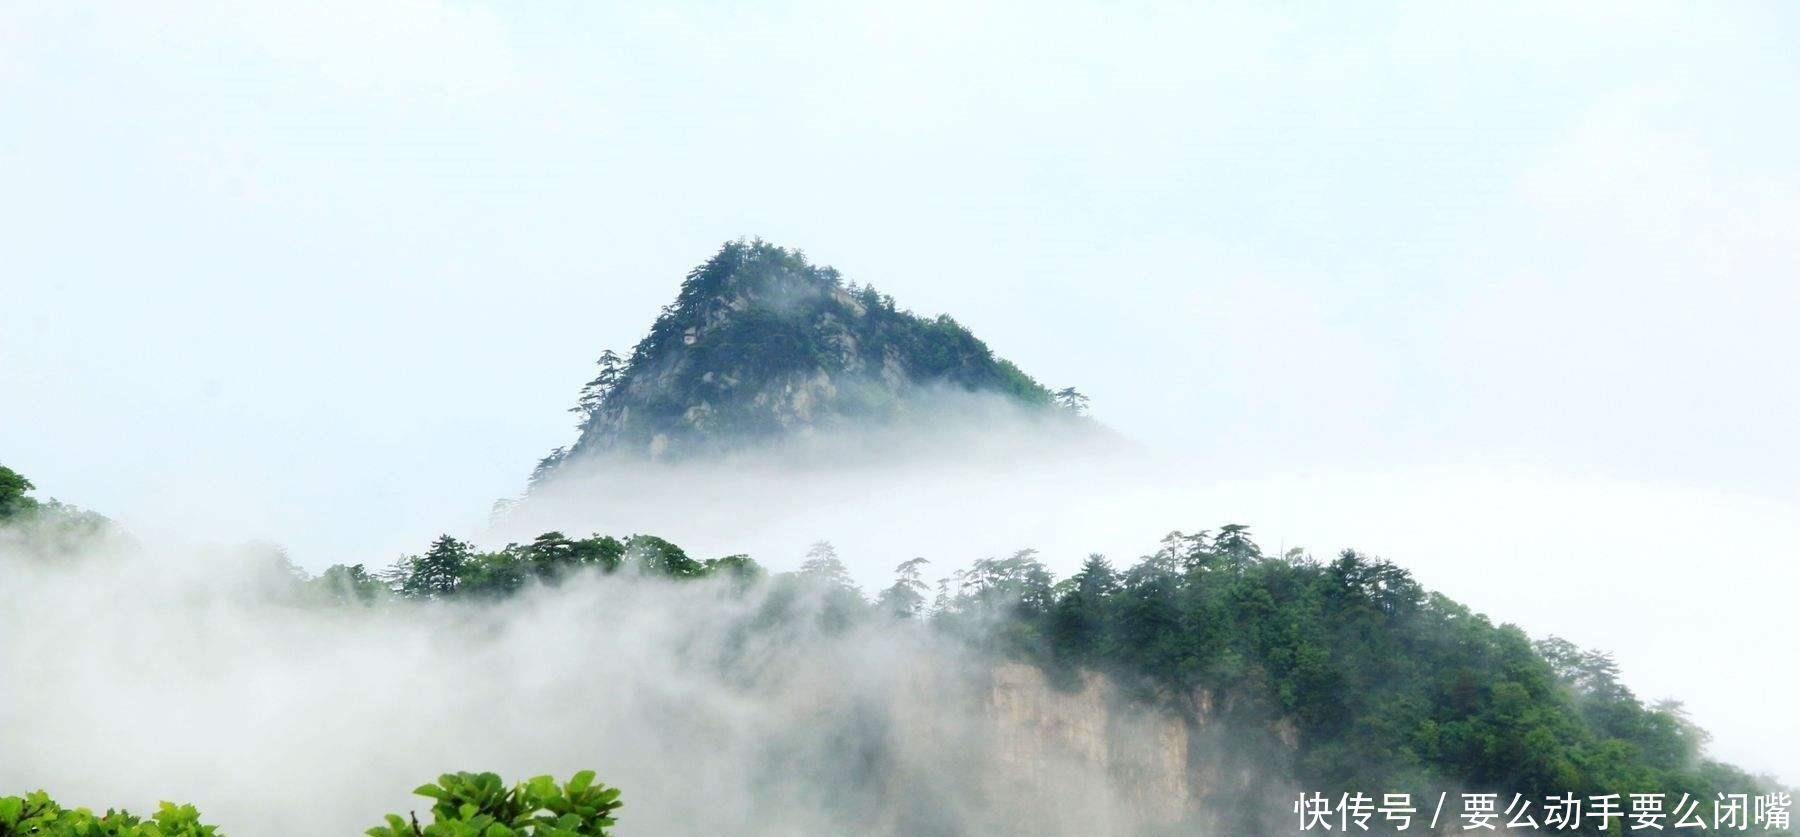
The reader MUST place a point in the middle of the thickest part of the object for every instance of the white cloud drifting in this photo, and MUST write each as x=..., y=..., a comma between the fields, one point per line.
x=351, y=260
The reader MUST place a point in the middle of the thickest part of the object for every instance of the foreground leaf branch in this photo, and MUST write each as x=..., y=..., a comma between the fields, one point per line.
x=464, y=805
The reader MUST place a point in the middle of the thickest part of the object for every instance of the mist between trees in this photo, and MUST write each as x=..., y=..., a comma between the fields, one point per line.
x=723, y=698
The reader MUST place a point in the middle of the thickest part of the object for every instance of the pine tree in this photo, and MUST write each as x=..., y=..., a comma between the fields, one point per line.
x=1071, y=399
x=906, y=598
x=594, y=392
x=436, y=573
x=822, y=563
x=547, y=466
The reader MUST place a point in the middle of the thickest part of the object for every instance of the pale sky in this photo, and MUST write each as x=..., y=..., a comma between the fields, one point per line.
x=329, y=274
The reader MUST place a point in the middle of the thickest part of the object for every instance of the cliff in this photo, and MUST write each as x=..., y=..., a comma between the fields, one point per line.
x=1088, y=757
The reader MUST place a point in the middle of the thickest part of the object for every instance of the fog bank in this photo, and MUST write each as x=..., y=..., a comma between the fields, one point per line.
x=1660, y=575
x=135, y=674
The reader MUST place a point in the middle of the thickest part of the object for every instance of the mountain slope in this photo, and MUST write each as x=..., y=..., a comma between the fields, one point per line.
x=760, y=343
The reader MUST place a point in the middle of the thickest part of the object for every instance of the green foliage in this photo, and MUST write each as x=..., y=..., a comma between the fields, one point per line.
x=494, y=575
x=1354, y=673
x=655, y=556
x=906, y=598
x=594, y=392
x=479, y=805
x=1078, y=618
x=13, y=488
x=452, y=569
x=740, y=568
x=1379, y=682
x=553, y=555
x=349, y=584
x=437, y=573
x=37, y=814
x=54, y=524
x=463, y=805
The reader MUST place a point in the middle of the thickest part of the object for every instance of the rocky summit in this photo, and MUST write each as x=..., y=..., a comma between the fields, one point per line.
x=760, y=343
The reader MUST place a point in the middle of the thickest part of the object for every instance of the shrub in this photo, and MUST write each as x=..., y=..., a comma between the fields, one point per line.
x=37, y=814
x=478, y=805
x=466, y=805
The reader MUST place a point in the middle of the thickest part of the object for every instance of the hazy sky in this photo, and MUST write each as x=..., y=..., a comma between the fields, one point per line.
x=330, y=274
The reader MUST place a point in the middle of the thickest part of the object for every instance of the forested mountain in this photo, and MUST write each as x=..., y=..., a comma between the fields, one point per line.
x=1339, y=676
x=1344, y=675
x=1267, y=672
x=761, y=343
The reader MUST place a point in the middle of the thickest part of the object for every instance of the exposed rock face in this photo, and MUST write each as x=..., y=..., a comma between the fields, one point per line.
x=1051, y=759
x=900, y=735
x=1040, y=731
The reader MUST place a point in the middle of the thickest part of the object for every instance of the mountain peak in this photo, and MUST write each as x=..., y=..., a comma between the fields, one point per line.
x=760, y=343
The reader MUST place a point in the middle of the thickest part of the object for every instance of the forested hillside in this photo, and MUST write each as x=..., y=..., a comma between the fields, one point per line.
x=1342, y=675
x=1386, y=684
x=45, y=523
x=1371, y=681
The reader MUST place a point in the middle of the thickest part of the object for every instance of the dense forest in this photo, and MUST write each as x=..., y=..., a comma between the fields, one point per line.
x=1350, y=665
x=1380, y=683
x=1368, y=679
x=1371, y=680
x=1383, y=683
